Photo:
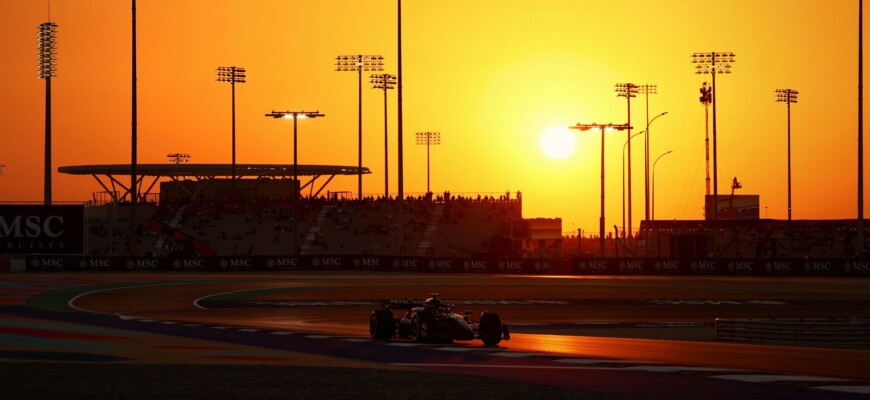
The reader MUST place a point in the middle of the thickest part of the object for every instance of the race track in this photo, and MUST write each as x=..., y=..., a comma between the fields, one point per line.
x=562, y=327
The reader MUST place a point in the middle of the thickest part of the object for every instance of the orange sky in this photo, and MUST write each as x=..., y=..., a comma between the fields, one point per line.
x=490, y=75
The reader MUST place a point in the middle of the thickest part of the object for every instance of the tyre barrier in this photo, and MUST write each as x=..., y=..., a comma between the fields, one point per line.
x=838, y=332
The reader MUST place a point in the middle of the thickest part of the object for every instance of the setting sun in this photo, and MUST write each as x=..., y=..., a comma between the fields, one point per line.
x=558, y=142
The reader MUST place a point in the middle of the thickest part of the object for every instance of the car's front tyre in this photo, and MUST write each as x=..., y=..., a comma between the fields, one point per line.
x=381, y=325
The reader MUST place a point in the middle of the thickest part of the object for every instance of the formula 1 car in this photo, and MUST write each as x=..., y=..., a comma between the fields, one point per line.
x=431, y=320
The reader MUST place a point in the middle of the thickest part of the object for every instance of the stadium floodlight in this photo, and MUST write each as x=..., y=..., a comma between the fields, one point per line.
x=232, y=75
x=428, y=139
x=2, y=169
x=385, y=82
x=654, y=183
x=295, y=115
x=788, y=96
x=646, y=90
x=47, y=44
x=628, y=90
x=714, y=63
x=359, y=63
x=603, y=128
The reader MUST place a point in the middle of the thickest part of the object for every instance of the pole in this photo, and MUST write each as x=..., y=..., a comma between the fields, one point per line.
x=601, y=219
x=715, y=165
x=860, y=126
x=646, y=159
x=428, y=141
x=359, y=113
x=707, y=143
x=133, y=140
x=386, y=158
x=295, y=189
x=399, y=79
x=628, y=135
x=47, y=179
x=788, y=107
x=233, y=89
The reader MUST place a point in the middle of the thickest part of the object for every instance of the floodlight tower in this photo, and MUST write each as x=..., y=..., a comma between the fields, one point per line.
x=646, y=90
x=788, y=96
x=428, y=139
x=295, y=115
x=2, y=169
x=603, y=127
x=628, y=90
x=385, y=82
x=359, y=63
x=232, y=75
x=714, y=63
x=47, y=41
x=706, y=98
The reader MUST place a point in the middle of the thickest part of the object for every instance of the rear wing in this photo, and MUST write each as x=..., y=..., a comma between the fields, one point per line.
x=403, y=304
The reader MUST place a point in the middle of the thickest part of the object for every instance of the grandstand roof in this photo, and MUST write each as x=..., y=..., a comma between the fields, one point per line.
x=211, y=170
x=203, y=173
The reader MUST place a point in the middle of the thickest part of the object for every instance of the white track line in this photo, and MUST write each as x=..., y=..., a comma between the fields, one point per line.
x=846, y=389
x=591, y=361
x=663, y=368
x=778, y=378
x=71, y=301
x=499, y=366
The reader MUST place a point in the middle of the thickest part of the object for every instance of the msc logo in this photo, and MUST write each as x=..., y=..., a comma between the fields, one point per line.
x=858, y=267
x=741, y=266
x=367, y=262
x=441, y=265
x=592, y=266
x=236, y=263
x=31, y=226
x=510, y=266
x=818, y=266
x=475, y=266
x=778, y=266
x=542, y=266
x=95, y=263
x=631, y=266
x=142, y=264
x=188, y=264
x=703, y=266
x=668, y=266
x=47, y=263
x=326, y=262
x=282, y=262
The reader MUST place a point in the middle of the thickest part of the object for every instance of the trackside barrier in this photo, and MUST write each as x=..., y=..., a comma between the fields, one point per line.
x=846, y=332
x=720, y=266
x=574, y=266
x=299, y=263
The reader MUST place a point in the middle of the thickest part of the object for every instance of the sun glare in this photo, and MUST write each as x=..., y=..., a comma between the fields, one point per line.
x=558, y=142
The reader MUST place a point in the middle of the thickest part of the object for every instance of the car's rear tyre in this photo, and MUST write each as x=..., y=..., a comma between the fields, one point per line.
x=381, y=325
x=490, y=328
x=419, y=329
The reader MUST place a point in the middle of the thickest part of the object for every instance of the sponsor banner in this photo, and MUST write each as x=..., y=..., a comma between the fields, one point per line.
x=370, y=263
x=856, y=267
x=281, y=263
x=32, y=229
x=594, y=266
x=526, y=266
x=407, y=264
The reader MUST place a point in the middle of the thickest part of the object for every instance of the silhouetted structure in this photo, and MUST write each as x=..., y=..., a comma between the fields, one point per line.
x=233, y=75
x=385, y=82
x=359, y=63
x=713, y=63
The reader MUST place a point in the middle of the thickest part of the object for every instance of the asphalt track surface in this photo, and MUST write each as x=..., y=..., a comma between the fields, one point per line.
x=563, y=327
